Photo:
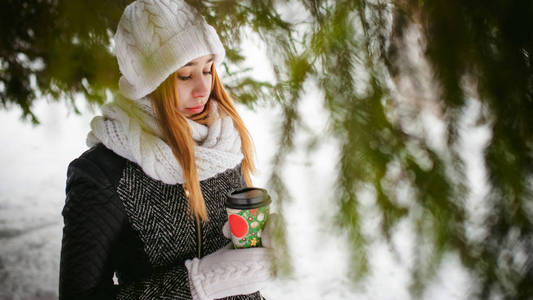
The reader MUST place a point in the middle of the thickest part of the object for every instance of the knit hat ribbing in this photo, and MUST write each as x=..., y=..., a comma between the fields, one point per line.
x=155, y=38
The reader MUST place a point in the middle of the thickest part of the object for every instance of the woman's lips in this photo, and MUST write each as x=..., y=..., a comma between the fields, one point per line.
x=196, y=109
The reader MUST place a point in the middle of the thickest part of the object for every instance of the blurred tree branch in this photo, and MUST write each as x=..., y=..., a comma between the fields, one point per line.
x=362, y=56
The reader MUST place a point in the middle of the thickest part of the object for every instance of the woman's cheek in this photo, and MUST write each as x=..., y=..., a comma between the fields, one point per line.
x=182, y=93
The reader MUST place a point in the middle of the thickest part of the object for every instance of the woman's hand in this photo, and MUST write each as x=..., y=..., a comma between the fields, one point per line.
x=228, y=272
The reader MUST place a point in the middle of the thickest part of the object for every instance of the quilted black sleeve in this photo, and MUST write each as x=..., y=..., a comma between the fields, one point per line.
x=93, y=221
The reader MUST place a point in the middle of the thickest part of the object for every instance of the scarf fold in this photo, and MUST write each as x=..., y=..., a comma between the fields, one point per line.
x=130, y=129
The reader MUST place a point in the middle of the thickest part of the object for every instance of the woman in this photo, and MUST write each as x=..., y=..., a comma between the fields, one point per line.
x=145, y=202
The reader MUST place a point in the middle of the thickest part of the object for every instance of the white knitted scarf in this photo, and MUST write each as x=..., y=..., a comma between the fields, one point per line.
x=130, y=129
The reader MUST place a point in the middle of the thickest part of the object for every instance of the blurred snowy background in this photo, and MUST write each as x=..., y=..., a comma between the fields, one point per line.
x=34, y=162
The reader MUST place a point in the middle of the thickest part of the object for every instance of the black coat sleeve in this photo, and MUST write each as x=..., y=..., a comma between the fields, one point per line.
x=93, y=220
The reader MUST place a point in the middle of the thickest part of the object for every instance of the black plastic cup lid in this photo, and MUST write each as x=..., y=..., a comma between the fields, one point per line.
x=247, y=198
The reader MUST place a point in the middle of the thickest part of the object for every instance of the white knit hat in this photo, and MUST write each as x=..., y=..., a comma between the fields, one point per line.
x=155, y=38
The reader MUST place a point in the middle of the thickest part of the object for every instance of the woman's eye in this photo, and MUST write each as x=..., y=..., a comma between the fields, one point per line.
x=184, y=77
x=208, y=72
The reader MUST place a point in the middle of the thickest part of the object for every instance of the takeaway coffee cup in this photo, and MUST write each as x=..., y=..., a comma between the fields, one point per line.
x=248, y=210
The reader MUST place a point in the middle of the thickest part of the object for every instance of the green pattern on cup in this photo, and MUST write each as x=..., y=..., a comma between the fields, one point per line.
x=247, y=226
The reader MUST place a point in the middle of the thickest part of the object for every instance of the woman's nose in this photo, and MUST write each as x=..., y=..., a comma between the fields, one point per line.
x=201, y=88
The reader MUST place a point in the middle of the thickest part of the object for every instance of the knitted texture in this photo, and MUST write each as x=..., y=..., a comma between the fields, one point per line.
x=154, y=38
x=159, y=213
x=228, y=272
x=130, y=130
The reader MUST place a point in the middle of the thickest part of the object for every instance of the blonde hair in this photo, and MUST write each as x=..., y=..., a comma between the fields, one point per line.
x=177, y=134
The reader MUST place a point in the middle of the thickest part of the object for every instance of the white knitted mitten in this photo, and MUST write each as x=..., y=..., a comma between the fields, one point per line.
x=228, y=272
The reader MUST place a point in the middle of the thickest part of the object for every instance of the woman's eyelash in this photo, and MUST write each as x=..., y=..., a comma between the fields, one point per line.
x=190, y=76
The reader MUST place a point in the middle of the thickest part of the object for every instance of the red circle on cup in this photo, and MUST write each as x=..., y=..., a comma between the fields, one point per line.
x=238, y=225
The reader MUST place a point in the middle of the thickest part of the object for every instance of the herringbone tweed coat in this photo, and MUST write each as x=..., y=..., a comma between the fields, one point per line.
x=118, y=221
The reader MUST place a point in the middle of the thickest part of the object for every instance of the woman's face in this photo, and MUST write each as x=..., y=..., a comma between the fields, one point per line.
x=194, y=85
